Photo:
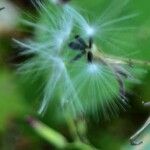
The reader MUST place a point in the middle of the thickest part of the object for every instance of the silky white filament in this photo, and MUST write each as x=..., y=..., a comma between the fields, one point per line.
x=82, y=86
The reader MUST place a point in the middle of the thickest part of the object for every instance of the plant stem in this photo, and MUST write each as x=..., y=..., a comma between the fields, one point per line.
x=52, y=136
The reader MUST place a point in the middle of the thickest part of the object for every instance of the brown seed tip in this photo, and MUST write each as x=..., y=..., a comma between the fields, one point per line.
x=31, y=120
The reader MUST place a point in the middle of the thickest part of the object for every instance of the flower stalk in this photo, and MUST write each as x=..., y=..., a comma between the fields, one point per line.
x=52, y=136
x=55, y=138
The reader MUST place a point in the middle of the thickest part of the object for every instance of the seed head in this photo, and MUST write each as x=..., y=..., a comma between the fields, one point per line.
x=74, y=72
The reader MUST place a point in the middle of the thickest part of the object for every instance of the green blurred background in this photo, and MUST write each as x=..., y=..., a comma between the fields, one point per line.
x=17, y=99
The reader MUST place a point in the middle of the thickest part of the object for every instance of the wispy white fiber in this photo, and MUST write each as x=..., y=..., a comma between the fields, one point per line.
x=80, y=86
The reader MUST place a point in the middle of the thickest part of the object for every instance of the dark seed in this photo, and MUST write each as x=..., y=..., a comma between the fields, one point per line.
x=90, y=57
x=2, y=8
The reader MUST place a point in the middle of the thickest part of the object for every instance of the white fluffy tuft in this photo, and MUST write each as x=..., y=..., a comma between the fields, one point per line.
x=83, y=87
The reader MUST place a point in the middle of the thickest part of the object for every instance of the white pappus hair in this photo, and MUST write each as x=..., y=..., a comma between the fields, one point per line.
x=81, y=86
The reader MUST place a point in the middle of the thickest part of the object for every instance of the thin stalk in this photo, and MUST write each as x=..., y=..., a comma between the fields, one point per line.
x=52, y=136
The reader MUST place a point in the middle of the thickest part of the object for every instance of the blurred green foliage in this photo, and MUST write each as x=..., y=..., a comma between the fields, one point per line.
x=17, y=99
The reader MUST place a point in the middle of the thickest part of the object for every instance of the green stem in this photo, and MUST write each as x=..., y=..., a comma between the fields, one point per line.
x=55, y=138
x=72, y=127
x=48, y=134
x=80, y=146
